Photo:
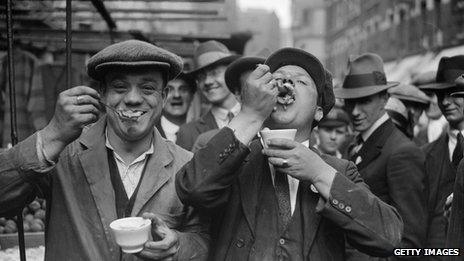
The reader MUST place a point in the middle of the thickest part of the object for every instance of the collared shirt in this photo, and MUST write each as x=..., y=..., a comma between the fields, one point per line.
x=221, y=114
x=435, y=128
x=365, y=135
x=130, y=173
x=293, y=183
x=170, y=129
x=452, y=140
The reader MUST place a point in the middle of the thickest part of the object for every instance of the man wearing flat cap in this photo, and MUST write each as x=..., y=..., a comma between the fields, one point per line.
x=118, y=167
x=405, y=106
x=390, y=163
x=332, y=131
x=444, y=154
x=235, y=77
x=455, y=233
x=281, y=199
x=211, y=59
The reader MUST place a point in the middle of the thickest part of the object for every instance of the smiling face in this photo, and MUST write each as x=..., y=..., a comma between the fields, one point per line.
x=135, y=93
x=178, y=98
x=212, y=84
x=452, y=108
x=301, y=112
x=366, y=111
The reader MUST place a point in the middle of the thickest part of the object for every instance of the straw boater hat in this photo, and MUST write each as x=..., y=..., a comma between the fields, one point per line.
x=133, y=54
x=449, y=69
x=365, y=77
x=242, y=65
x=211, y=53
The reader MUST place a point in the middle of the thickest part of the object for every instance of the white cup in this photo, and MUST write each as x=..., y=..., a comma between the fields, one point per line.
x=131, y=233
x=267, y=134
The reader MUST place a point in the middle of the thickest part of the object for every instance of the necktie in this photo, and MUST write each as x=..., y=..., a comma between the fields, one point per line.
x=355, y=147
x=283, y=198
x=230, y=116
x=457, y=153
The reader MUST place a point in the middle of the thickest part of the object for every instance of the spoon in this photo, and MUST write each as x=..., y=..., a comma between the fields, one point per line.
x=116, y=111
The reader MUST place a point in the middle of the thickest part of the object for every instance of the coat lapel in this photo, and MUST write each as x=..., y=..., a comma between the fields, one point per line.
x=250, y=180
x=155, y=175
x=94, y=163
x=374, y=144
x=208, y=122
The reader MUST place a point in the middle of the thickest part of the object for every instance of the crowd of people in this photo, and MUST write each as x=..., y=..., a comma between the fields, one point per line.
x=374, y=166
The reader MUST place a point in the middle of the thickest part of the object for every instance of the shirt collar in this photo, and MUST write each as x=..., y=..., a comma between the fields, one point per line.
x=453, y=133
x=221, y=113
x=169, y=125
x=150, y=150
x=365, y=135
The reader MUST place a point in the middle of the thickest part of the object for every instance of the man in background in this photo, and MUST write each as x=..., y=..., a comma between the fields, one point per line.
x=332, y=131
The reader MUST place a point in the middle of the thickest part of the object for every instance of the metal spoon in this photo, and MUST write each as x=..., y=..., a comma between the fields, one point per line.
x=116, y=111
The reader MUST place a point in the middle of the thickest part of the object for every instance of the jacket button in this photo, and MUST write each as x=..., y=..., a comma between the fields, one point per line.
x=239, y=243
x=335, y=202
x=341, y=206
x=348, y=209
x=281, y=241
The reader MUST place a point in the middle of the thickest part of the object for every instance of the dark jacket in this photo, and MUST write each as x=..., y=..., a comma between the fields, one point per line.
x=81, y=199
x=224, y=176
x=440, y=177
x=189, y=132
x=455, y=235
x=393, y=167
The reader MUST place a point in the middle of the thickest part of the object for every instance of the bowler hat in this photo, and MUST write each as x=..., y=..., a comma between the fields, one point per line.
x=449, y=68
x=133, y=53
x=366, y=77
x=407, y=92
x=242, y=65
x=459, y=84
x=211, y=53
x=335, y=118
x=321, y=77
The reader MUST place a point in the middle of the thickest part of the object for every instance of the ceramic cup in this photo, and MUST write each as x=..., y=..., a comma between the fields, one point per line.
x=131, y=233
x=267, y=134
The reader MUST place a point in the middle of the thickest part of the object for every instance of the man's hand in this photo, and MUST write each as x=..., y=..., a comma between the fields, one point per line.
x=168, y=244
x=294, y=159
x=259, y=96
x=74, y=109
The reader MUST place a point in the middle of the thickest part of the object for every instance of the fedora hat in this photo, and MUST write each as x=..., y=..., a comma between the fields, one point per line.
x=209, y=54
x=449, y=68
x=459, y=84
x=133, y=54
x=241, y=65
x=407, y=92
x=321, y=77
x=365, y=77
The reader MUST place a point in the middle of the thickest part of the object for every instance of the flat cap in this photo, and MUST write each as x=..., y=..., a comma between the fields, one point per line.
x=133, y=53
x=337, y=117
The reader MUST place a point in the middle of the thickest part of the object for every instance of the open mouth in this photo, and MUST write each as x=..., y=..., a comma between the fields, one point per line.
x=131, y=115
x=286, y=94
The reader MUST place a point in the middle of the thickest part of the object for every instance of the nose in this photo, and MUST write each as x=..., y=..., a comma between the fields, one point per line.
x=209, y=80
x=446, y=100
x=332, y=134
x=133, y=97
x=356, y=111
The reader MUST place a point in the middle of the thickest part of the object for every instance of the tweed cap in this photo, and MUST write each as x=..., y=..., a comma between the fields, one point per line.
x=133, y=53
x=407, y=92
x=322, y=78
x=366, y=77
x=337, y=117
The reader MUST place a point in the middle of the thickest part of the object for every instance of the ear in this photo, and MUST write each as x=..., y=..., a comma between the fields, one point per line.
x=319, y=114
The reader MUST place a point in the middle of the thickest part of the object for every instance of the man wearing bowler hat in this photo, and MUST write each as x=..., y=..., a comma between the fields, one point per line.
x=444, y=154
x=235, y=77
x=390, y=163
x=118, y=167
x=284, y=201
x=211, y=59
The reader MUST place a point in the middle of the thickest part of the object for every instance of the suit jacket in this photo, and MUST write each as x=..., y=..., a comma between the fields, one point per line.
x=440, y=178
x=393, y=167
x=189, y=132
x=203, y=139
x=455, y=235
x=81, y=200
x=224, y=176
